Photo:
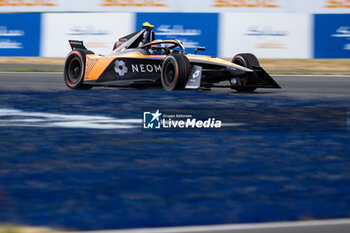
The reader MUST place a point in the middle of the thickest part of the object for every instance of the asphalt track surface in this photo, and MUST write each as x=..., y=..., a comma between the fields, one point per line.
x=78, y=159
x=307, y=86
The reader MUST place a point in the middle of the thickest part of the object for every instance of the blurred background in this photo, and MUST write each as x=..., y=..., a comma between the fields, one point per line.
x=269, y=28
x=85, y=178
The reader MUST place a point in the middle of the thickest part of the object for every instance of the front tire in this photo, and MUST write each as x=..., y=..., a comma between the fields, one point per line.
x=175, y=72
x=249, y=61
x=74, y=70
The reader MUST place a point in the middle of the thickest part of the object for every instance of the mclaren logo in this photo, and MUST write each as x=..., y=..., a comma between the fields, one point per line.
x=120, y=68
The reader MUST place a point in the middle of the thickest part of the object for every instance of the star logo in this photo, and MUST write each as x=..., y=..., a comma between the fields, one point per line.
x=156, y=115
x=152, y=120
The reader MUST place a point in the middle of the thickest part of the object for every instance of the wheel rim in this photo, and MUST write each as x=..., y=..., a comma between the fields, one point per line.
x=240, y=63
x=169, y=74
x=74, y=70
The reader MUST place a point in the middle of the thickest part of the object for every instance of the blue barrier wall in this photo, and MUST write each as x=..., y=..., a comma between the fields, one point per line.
x=20, y=34
x=332, y=36
x=194, y=29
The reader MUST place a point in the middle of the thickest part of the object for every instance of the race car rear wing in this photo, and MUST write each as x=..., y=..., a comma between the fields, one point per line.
x=128, y=37
x=77, y=44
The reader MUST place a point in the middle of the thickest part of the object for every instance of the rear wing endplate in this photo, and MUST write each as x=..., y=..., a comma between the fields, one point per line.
x=77, y=44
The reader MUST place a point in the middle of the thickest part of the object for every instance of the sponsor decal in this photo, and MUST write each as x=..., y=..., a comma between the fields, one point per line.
x=87, y=31
x=120, y=68
x=338, y=4
x=247, y=3
x=271, y=45
x=28, y=3
x=134, y=3
x=143, y=68
x=158, y=120
x=342, y=32
x=196, y=74
x=194, y=81
x=11, y=42
x=177, y=30
x=5, y=32
x=265, y=31
x=269, y=35
x=8, y=44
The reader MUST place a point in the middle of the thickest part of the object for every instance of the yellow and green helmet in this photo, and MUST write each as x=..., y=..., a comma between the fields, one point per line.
x=147, y=25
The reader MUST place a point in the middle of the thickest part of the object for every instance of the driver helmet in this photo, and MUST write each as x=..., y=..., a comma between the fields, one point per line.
x=147, y=25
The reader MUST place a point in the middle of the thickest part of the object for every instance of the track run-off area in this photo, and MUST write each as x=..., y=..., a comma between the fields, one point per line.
x=79, y=160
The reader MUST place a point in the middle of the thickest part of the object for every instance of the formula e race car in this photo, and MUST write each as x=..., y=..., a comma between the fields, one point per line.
x=165, y=63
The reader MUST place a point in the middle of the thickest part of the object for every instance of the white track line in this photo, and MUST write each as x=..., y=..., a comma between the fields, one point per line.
x=281, y=226
x=19, y=118
x=46, y=73
x=309, y=75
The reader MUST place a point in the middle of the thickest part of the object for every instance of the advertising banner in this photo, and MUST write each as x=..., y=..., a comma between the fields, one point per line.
x=19, y=34
x=203, y=6
x=193, y=29
x=266, y=35
x=320, y=6
x=87, y=6
x=30, y=5
x=240, y=5
x=332, y=36
x=136, y=5
x=99, y=31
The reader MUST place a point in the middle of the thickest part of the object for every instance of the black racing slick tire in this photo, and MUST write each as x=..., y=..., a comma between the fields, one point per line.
x=176, y=69
x=74, y=70
x=249, y=61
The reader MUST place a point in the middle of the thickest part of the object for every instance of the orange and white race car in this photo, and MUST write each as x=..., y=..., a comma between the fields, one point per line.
x=163, y=62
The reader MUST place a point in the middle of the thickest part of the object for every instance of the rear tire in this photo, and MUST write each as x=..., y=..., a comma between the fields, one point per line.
x=247, y=60
x=74, y=70
x=175, y=72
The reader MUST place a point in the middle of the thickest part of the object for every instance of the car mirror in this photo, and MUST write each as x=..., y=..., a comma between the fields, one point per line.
x=199, y=49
